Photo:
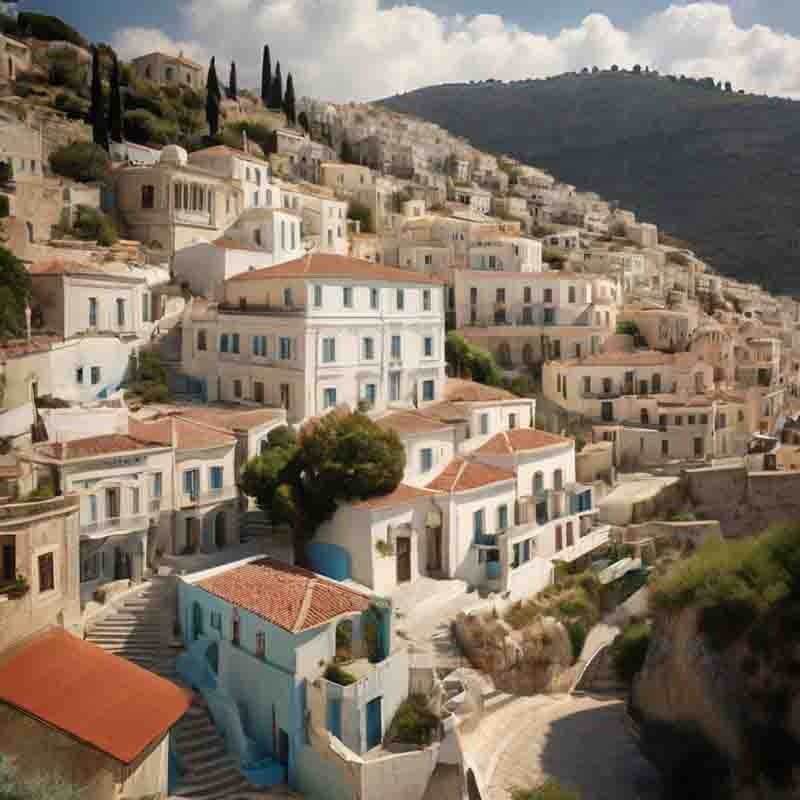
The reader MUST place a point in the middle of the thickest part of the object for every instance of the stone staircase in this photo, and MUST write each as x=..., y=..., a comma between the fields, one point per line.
x=140, y=629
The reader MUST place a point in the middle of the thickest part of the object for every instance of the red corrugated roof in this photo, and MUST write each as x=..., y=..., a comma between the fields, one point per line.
x=326, y=265
x=292, y=598
x=96, y=697
x=521, y=440
x=461, y=476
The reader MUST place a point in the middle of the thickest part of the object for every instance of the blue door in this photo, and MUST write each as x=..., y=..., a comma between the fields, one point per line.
x=374, y=723
x=334, y=714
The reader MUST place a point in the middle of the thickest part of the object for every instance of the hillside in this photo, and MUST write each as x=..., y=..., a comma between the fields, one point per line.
x=715, y=168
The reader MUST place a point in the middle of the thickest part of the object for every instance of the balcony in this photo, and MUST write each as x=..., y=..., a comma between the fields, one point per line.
x=115, y=526
x=264, y=310
x=209, y=497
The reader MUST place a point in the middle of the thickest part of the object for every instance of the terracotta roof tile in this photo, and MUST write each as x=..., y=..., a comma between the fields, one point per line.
x=457, y=390
x=325, y=265
x=292, y=598
x=400, y=496
x=97, y=446
x=640, y=358
x=188, y=434
x=96, y=697
x=229, y=418
x=521, y=440
x=462, y=476
x=410, y=422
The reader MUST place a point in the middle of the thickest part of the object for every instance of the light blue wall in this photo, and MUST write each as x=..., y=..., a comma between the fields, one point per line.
x=330, y=560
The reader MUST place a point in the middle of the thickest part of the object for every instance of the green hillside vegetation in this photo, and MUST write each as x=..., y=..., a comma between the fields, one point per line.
x=708, y=164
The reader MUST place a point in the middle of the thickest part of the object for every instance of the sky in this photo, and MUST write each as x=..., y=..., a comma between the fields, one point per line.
x=344, y=50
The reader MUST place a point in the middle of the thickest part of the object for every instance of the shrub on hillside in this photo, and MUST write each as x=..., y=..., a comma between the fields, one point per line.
x=93, y=225
x=143, y=127
x=360, y=213
x=414, y=722
x=549, y=790
x=256, y=132
x=65, y=69
x=74, y=107
x=49, y=29
x=629, y=649
x=42, y=787
x=5, y=206
x=80, y=161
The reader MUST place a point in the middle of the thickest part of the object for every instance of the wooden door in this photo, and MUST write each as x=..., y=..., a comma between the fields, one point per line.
x=434, y=537
x=403, y=559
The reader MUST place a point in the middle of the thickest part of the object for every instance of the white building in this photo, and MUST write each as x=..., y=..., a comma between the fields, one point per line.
x=318, y=332
x=506, y=253
x=252, y=173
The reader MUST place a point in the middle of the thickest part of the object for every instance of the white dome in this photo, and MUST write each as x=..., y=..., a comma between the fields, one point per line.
x=175, y=155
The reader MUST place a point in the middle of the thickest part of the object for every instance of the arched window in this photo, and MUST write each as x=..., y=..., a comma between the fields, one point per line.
x=538, y=483
x=169, y=74
x=558, y=480
x=148, y=196
x=656, y=383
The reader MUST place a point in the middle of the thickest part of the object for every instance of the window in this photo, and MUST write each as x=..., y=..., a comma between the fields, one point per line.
x=428, y=391
x=548, y=295
x=157, y=486
x=426, y=459
x=237, y=389
x=549, y=316
x=261, y=644
x=478, y=523
x=512, y=421
x=656, y=381
x=223, y=343
x=373, y=298
x=235, y=343
x=370, y=393
x=120, y=312
x=79, y=375
x=260, y=346
x=215, y=620
x=570, y=534
x=148, y=196
x=558, y=480
x=692, y=419
x=285, y=348
x=258, y=391
x=559, y=538
x=400, y=299
x=394, y=387
x=191, y=482
x=328, y=351
x=347, y=296
x=664, y=447
x=571, y=294
x=47, y=575
x=426, y=299
x=95, y=376
x=679, y=420
x=473, y=296
x=285, y=395
x=368, y=348
x=201, y=340
x=90, y=568
x=428, y=341
x=644, y=416
x=216, y=475
x=145, y=308
x=741, y=416
x=607, y=385
x=704, y=419
x=484, y=423
x=527, y=295
x=92, y=312
x=329, y=398
x=587, y=385
x=698, y=448
x=500, y=296
x=257, y=232
x=396, y=347
x=318, y=296
x=236, y=632
x=502, y=518
x=287, y=297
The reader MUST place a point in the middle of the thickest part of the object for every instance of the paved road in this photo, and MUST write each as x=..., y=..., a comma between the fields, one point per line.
x=579, y=740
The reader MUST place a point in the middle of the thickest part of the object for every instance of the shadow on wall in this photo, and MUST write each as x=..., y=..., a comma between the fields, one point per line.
x=612, y=767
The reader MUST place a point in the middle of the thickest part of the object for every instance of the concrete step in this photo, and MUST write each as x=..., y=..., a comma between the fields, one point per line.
x=215, y=787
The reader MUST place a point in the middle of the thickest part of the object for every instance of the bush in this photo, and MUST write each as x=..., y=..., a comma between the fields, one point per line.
x=6, y=171
x=629, y=650
x=74, y=107
x=683, y=516
x=49, y=29
x=64, y=69
x=44, y=491
x=360, y=213
x=93, y=225
x=549, y=790
x=5, y=206
x=554, y=258
x=142, y=127
x=336, y=674
x=414, y=722
x=626, y=327
x=48, y=401
x=256, y=132
x=150, y=392
x=81, y=161
x=577, y=638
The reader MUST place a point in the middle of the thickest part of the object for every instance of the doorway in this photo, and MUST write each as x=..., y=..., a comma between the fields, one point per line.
x=374, y=723
x=403, y=559
x=219, y=530
x=434, y=538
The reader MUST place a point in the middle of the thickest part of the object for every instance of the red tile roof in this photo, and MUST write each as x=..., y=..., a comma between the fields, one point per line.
x=325, y=265
x=521, y=440
x=15, y=348
x=96, y=697
x=292, y=598
x=457, y=390
x=400, y=496
x=462, y=476
x=229, y=418
x=410, y=422
x=185, y=433
x=104, y=444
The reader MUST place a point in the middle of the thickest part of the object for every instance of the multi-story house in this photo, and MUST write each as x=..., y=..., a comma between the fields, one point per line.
x=15, y=57
x=524, y=318
x=477, y=199
x=324, y=216
x=252, y=173
x=506, y=253
x=318, y=332
x=169, y=70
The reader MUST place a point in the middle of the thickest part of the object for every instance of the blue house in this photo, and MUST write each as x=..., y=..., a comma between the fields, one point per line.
x=264, y=642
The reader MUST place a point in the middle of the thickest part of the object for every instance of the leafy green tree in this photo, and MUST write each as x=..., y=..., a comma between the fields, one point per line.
x=213, y=98
x=233, y=90
x=266, y=77
x=15, y=294
x=93, y=225
x=115, y=109
x=97, y=110
x=468, y=361
x=80, y=161
x=629, y=650
x=64, y=69
x=47, y=28
x=627, y=327
x=143, y=127
x=339, y=458
x=289, y=101
x=276, y=98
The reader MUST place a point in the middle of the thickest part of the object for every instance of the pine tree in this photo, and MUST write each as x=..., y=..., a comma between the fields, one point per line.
x=213, y=97
x=276, y=99
x=288, y=101
x=233, y=91
x=266, y=78
x=115, y=110
x=97, y=110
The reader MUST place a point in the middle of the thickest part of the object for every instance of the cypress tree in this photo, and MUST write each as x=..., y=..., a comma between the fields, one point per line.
x=115, y=110
x=276, y=100
x=233, y=91
x=266, y=78
x=213, y=98
x=288, y=101
x=97, y=110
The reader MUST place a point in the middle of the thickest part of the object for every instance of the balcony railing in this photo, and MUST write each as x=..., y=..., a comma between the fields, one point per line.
x=252, y=308
x=210, y=496
x=112, y=525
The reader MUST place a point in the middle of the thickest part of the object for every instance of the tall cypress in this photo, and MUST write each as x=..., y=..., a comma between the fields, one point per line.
x=213, y=98
x=288, y=101
x=233, y=91
x=276, y=101
x=266, y=77
x=97, y=110
x=115, y=110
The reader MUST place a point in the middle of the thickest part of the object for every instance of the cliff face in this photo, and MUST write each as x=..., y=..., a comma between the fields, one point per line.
x=723, y=723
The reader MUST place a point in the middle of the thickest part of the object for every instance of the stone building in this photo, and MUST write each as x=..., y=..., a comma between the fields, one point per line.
x=169, y=70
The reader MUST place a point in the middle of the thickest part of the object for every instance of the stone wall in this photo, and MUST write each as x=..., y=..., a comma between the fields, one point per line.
x=678, y=533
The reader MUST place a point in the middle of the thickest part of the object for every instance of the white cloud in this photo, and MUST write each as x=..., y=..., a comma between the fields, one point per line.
x=357, y=49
